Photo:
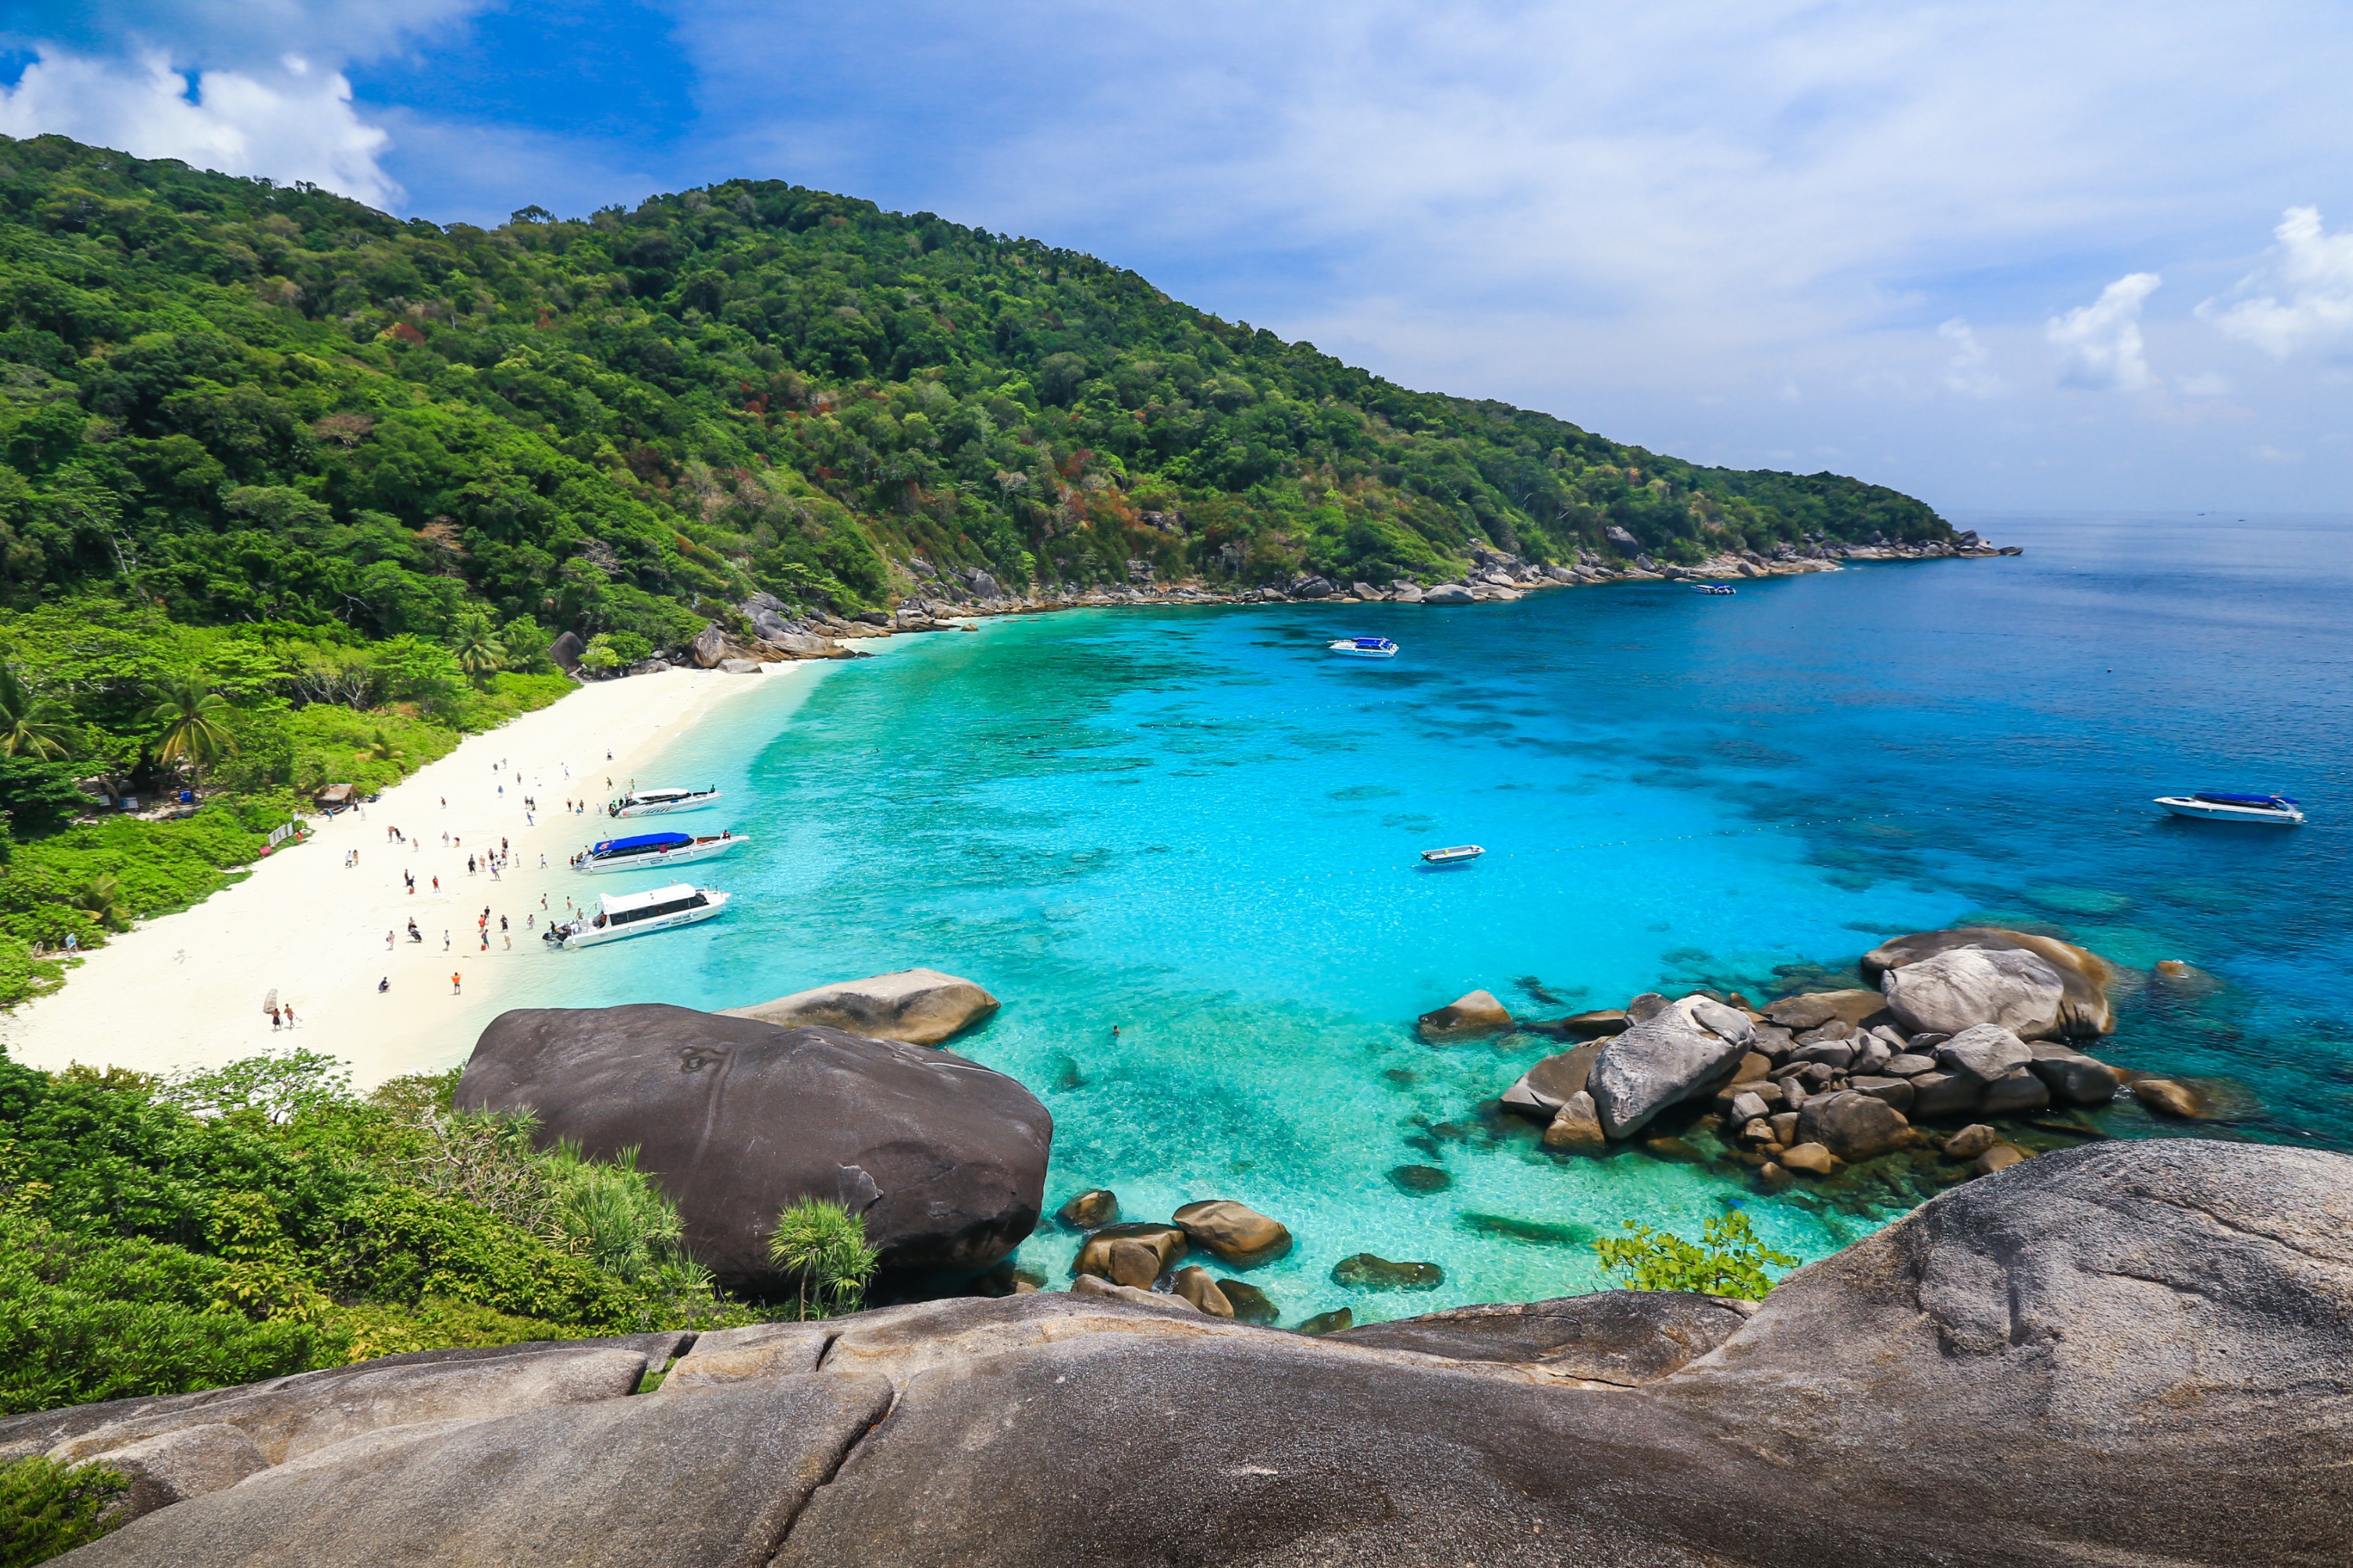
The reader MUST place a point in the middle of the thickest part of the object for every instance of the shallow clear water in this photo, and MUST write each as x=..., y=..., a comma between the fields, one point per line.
x=1196, y=826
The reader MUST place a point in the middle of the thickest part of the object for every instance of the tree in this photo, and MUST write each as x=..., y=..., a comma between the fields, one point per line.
x=379, y=747
x=477, y=648
x=824, y=1245
x=30, y=725
x=1731, y=1262
x=101, y=899
x=195, y=720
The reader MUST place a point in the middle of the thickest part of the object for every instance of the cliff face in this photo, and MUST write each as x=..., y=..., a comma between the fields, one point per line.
x=256, y=403
x=2131, y=1353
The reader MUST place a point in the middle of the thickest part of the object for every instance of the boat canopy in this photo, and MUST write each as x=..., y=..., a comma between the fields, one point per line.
x=642, y=842
x=2215, y=797
x=1372, y=641
x=679, y=894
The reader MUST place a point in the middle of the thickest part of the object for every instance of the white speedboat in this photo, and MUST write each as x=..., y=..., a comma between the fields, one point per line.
x=2216, y=807
x=621, y=914
x=1364, y=648
x=1720, y=590
x=661, y=802
x=1453, y=854
x=649, y=852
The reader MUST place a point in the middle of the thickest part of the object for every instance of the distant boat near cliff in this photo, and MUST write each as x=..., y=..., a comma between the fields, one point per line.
x=1364, y=648
x=659, y=802
x=2213, y=806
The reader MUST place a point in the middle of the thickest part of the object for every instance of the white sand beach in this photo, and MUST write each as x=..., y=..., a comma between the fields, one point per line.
x=187, y=989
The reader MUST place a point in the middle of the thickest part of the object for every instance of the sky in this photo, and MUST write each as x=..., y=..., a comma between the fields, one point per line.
x=2006, y=257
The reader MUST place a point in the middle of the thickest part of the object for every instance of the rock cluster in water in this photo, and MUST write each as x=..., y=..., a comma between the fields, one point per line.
x=2132, y=1353
x=1966, y=1023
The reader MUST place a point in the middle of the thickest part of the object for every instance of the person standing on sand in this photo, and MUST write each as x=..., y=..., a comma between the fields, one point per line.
x=457, y=985
x=388, y=941
x=290, y=1018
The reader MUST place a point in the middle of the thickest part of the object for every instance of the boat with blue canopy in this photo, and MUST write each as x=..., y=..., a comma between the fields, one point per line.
x=2218, y=806
x=646, y=851
x=1364, y=648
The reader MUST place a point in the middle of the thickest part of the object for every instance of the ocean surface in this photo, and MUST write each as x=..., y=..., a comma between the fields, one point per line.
x=1196, y=827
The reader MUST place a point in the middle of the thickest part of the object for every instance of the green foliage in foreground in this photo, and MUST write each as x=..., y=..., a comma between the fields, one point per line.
x=1730, y=1262
x=47, y=1509
x=161, y=1236
x=823, y=1246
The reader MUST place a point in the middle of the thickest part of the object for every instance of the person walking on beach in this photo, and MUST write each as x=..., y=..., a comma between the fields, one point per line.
x=388, y=941
x=445, y=941
x=457, y=984
x=289, y=1017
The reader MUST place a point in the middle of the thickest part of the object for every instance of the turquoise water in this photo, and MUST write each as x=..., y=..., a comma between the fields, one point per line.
x=1196, y=826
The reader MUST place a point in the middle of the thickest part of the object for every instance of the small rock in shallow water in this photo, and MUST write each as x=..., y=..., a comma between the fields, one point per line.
x=1094, y=1257
x=1465, y=1017
x=1578, y=1126
x=1250, y=1304
x=2074, y=1076
x=1366, y=1271
x=2001, y=1157
x=1674, y=1148
x=2167, y=1097
x=1645, y=1007
x=1132, y=1263
x=1237, y=1233
x=1194, y=1284
x=1773, y=1177
x=2016, y=1094
x=1970, y=1141
x=1090, y=1211
x=1419, y=1179
x=1851, y=1126
x=1329, y=1322
x=1811, y=1158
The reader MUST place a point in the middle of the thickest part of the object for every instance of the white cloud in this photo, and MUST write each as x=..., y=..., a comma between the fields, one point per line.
x=2101, y=341
x=293, y=122
x=1970, y=370
x=2314, y=270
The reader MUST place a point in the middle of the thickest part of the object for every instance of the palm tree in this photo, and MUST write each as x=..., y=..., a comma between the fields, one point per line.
x=824, y=1245
x=29, y=725
x=192, y=716
x=477, y=646
x=380, y=749
x=102, y=898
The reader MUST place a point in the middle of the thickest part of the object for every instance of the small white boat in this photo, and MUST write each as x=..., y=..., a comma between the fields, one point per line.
x=1364, y=648
x=1723, y=590
x=1453, y=854
x=653, y=851
x=621, y=914
x=2216, y=807
x=661, y=802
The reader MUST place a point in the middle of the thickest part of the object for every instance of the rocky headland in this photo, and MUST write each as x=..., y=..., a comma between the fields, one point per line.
x=2130, y=1352
x=763, y=629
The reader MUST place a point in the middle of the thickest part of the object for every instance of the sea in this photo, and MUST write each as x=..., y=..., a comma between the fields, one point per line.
x=1181, y=846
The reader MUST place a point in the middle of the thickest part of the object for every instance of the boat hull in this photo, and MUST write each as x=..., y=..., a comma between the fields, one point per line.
x=2216, y=811
x=597, y=938
x=660, y=859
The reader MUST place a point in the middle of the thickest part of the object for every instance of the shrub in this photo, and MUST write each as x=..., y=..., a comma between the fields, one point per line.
x=823, y=1245
x=47, y=1509
x=1731, y=1262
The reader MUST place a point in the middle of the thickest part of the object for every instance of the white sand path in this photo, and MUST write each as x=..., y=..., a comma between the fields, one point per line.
x=187, y=989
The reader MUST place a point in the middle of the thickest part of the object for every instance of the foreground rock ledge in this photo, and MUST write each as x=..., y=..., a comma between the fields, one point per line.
x=2126, y=1353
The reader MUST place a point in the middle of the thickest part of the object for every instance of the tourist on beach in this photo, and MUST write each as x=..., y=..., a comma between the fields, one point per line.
x=413, y=934
x=388, y=938
x=289, y=1017
x=273, y=1020
x=457, y=986
x=445, y=940
x=383, y=985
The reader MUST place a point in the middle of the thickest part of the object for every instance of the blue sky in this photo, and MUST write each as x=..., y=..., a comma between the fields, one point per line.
x=2004, y=256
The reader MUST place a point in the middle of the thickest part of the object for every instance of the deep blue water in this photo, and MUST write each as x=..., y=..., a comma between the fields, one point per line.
x=1196, y=825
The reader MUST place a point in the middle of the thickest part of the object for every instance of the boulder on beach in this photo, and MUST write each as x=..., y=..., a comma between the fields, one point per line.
x=1236, y=1233
x=1681, y=1053
x=1962, y=988
x=710, y=646
x=2042, y=1363
x=945, y=1159
x=922, y=1007
x=2083, y=1009
x=565, y=651
x=1466, y=1017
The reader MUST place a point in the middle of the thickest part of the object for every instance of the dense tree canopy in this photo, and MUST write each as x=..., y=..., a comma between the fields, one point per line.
x=248, y=403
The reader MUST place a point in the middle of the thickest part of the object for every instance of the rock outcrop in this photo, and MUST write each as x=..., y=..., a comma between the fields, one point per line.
x=2133, y=1352
x=943, y=1158
x=2082, y=1008
x=1466, y=1017
x=1543, y=1088
x=1680, y=1053
x=922, y=1007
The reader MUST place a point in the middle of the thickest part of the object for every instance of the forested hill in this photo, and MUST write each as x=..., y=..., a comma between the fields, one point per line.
x=250, y=403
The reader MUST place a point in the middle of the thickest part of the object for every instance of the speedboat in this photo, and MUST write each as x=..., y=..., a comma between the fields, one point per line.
x=648, y=851
x=1722, y=588
x=2216, y=807
x=621, y=914
x=661, y=802
x=1364, y=648
x=1453, y=854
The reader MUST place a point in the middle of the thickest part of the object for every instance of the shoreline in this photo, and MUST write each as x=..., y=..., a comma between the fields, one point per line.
x=186, y=989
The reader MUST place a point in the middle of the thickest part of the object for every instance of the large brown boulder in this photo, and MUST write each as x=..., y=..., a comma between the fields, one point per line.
x=1466, y=1017
x=945, y=1159
x=922, y=1007
x=1236, y=1233
x=1853, y=1125
x=2083, y=1010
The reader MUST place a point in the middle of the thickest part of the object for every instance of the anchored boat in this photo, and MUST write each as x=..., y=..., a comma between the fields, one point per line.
x=2216, y=807
x=1453, y=854
x=621, y=914
x=1724, y=590
x=661, y=802
x=1364, y=648
x=648, y=851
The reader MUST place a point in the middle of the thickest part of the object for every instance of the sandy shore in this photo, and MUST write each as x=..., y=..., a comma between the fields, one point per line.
x=187, y=989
